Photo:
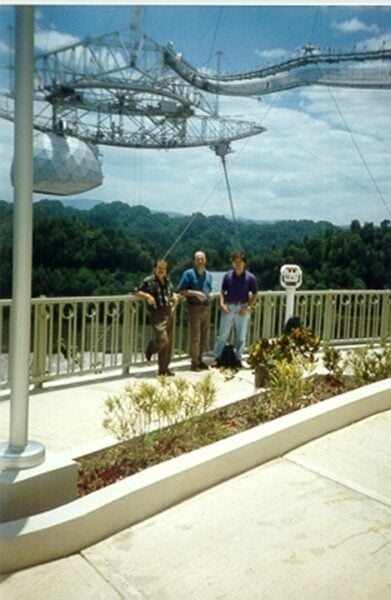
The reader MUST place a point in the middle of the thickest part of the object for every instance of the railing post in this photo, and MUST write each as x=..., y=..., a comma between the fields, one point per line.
x=327, y=317
x=40, y=345
x=127, y=337
x=385, y=326
x=267, y=317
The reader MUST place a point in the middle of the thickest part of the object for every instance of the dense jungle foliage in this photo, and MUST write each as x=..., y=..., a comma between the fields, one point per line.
x=110, y=247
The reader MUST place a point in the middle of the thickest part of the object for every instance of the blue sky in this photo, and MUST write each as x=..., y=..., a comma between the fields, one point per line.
x=325, y=155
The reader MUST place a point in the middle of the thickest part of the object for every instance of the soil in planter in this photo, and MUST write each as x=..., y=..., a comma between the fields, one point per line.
x=127, y=458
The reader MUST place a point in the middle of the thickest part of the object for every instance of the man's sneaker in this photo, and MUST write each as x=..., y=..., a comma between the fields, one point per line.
x=167, y=373
x=203, y=366
x=215, y=364
x=148, y=352
x=194, y=367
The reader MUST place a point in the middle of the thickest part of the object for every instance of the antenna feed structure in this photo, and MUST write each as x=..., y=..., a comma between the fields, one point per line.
x=222, y=149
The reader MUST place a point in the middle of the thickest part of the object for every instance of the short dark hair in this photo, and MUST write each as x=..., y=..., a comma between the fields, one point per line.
x=240, y=255
x=158, y=260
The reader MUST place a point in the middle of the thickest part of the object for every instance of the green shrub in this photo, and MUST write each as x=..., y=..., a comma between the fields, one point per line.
x=267, y=352
x=370, y=363
x=288, y=386
x=333, y=361
x=144, y=405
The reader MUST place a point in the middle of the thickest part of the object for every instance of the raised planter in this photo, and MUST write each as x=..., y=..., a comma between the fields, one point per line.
x=87, y=520
x=28, y=491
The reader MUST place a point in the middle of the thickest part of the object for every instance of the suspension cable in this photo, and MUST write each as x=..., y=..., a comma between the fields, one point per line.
x=361, y=155
x=223, y=148
x=310, y=41
x=191, y=221
x=215, y=35
x=234, y=220
x=182, y=233
x=354, y=141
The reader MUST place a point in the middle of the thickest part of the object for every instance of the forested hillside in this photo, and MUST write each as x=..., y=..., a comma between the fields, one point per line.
x=109, y=248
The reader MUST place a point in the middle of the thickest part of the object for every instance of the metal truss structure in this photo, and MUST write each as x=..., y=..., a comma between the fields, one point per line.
x=364, y=70
x=124, y=89
x=116, y=90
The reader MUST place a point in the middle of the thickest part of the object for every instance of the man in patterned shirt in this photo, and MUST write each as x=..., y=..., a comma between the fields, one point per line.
x=158, y=292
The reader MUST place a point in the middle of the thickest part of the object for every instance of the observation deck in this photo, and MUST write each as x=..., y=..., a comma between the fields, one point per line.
x=312, y=519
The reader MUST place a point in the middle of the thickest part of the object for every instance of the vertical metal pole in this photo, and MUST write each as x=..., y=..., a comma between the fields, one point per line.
x=22, y=240
x=20, y=453
x=222, y=149
x=290, y=303
x=127, y=336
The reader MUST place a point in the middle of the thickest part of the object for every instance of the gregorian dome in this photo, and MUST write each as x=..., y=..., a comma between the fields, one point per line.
x=64, y=165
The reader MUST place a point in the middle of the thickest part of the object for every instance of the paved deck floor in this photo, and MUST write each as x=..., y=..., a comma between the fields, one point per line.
x=68, y=414
x=314, y=524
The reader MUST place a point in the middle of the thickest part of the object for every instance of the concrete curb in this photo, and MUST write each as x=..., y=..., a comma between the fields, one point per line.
x=86, y=521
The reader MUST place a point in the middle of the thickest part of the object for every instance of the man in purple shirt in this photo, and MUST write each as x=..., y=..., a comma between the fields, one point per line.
x=238, y=295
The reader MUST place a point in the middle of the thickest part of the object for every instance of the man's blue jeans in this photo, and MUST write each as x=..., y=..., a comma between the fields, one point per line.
x=232, y=317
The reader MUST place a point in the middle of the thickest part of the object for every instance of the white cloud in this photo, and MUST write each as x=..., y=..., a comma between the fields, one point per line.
x=46, y=40
x=273, y=54
x=364, y=111
x=375, y=43
x=354, y=26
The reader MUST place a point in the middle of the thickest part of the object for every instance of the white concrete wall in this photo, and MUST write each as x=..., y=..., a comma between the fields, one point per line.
x=26, y=492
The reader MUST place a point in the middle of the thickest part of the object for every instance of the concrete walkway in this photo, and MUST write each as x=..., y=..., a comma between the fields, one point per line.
x=67, y=416
x=314, y=524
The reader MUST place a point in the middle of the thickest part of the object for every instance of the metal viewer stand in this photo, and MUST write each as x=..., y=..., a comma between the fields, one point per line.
x=291, y=277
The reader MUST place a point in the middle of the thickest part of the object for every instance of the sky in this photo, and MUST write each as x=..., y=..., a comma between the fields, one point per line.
x=326, y=154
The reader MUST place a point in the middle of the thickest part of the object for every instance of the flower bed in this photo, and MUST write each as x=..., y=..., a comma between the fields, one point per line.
x=126, y=458
x=191, y=424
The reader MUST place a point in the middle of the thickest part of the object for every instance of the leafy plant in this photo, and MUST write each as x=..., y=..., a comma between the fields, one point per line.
x=153, y=422
x=305, y=342
x=333, y=361
x=144, y=406
x=288, y=386
x=268, y=353
x=370, y=363
x=264, y=352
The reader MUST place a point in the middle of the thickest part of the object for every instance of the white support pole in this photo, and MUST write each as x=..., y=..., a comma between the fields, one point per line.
x=290, y=303
x=20, y=453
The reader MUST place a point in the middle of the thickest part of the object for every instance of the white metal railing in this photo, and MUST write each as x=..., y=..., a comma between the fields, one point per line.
x=80, y=335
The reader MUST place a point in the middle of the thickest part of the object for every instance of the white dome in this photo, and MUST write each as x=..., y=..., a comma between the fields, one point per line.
x=64, y=165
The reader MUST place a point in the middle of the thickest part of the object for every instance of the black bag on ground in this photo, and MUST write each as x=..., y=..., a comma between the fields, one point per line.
x=291, y=324
x=228, y=358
